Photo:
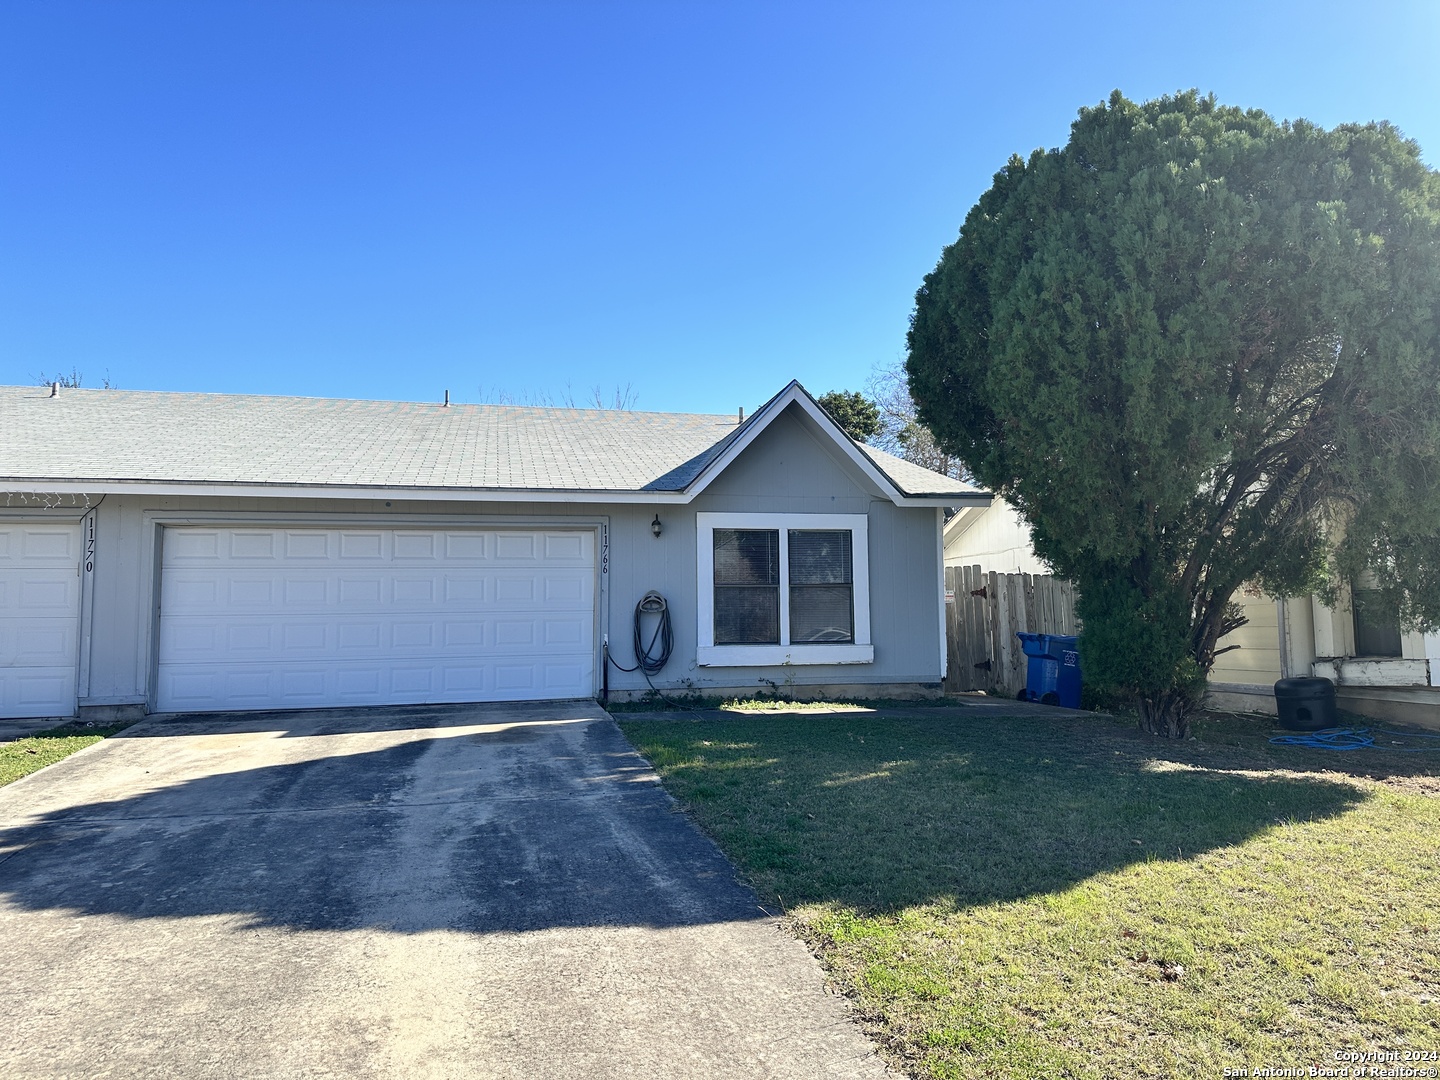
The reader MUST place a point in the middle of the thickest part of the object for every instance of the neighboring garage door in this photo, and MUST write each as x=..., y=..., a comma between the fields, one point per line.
x=39, y=619
x=295, y=618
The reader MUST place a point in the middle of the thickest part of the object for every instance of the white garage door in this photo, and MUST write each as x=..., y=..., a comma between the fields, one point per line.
x=295, y=618
x=39, y=619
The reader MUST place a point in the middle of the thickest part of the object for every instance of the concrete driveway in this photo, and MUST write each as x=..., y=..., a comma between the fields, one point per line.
x=479, y=891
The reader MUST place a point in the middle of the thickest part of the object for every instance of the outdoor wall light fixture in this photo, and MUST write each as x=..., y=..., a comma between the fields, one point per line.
x=655, y=525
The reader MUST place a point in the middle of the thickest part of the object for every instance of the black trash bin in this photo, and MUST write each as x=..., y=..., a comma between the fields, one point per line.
x=1305, y=704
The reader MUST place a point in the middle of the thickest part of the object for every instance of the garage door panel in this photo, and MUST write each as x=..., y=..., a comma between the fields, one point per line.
x=191, y=545
x=411, y=547
x=357, y=635
x=39, y=592
x=304, y=636
x=467, y=547
x=569, y=632
x=563, y=678
x=518, y=548
x=564, y=590
x=515, y=589
x=36, y=642
x=189, y=592
x=367, y=545
x=413, y=635
x=513, y=678
x=359, y=592
x=253, y=592
x=464, y=589
x=38, y=688
x=412, y=680
x=251, y=638
x=248, y=546
x=307, y=545
x=39, y=619
x=47, y=544
x=375, y=617
x=564, y=546
x=466, y=634
x=358, y=683
x=188, y=637
x=303, y=685
x=252, y=686
x=302, y=592
x=518, y=633
x=415, y=591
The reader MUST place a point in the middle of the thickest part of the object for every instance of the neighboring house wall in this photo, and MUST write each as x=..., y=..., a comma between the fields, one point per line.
x=1257, y=661
x=1283, y=639
x=787, y=469
x=1300, y=636
x=1244, y=678
x=1311, y=638
x=996, y=539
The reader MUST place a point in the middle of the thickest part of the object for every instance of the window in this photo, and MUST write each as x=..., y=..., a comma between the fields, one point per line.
x=822, y=589
x=747, y=586
x=783, y=588
x=1377, y=624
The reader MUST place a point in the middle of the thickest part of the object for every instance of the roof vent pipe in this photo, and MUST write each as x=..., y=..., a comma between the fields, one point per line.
x=54, y=389
x=447, y=399
x=742, y=415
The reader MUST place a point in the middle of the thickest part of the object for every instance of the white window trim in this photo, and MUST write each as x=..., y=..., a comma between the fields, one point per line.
x=708, y=654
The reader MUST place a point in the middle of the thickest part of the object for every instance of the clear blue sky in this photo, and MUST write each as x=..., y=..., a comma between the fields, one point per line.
x=704, y=200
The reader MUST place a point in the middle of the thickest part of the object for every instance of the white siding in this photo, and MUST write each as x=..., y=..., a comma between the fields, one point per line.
x=1257, y=661
x=998, y=541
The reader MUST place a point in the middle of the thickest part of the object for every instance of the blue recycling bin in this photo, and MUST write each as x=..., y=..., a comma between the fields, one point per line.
x=1052, y=676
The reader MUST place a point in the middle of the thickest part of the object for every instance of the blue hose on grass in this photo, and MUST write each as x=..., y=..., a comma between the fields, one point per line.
x=1353, y=739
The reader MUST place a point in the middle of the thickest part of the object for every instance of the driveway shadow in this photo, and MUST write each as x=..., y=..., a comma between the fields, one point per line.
x=533, y=825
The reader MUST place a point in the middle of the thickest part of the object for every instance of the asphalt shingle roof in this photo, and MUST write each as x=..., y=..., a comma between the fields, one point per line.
x=128, y=435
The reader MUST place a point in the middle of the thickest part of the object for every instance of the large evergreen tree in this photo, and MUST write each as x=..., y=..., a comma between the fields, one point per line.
x=1198, y=348
x=853, y=411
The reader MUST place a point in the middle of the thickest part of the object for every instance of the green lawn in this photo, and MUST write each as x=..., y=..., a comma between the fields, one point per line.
x=24, y=756
x=1025, y=897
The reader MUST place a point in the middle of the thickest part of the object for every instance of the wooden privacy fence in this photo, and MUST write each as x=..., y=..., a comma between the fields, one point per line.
x=983, y=612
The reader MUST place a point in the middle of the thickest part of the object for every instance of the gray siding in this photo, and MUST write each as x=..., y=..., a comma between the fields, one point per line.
x=787, y=469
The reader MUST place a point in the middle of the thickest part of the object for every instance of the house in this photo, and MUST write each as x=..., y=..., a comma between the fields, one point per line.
x=189, y=552
x=994, y=537
x=1378, y=669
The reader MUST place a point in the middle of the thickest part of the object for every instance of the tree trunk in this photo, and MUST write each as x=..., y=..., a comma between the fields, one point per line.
x=1167, y=715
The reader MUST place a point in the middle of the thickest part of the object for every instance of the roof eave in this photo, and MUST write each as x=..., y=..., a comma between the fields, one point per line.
x=950, y=499
x=212, y=488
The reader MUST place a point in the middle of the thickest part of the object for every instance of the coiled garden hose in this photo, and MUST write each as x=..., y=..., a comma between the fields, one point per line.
x=1353, y=739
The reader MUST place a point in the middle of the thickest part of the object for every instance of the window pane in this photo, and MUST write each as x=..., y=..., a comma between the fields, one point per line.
x=1377, y=624
x=747, y=615
x=821, y=614
x=747, y=557
x=820, y=557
